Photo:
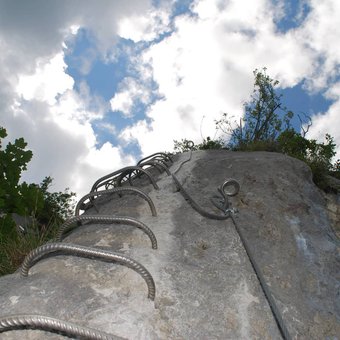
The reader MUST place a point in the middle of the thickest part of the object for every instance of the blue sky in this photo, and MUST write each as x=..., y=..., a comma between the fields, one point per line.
x=94, y=85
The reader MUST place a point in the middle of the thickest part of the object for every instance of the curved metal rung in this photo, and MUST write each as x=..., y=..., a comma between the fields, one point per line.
x=156, y=164
x=161, y=155
x=45, y=323
x=137, y=191
x=73, y=249
x=112, y=177
x=107, y=219
x=134, y=171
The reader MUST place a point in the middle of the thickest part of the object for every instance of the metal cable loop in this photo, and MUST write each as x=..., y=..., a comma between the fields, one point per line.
x=110, y=178
x=107, y=219
x=76, y=250
x=193, y=203
x=33, y=321
x=162, y=155
x=139, y=192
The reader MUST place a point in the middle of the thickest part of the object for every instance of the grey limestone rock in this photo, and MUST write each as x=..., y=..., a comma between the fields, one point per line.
x=206, y=287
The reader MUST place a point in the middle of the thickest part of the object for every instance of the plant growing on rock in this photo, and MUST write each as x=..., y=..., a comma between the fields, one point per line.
x=266, y=126
x=264, y=119
x=29, y=213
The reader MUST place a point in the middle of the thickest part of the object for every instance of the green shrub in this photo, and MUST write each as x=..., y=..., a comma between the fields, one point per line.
x=185, y=145
x=317, y=155
x=210, y=144
x=43, y=211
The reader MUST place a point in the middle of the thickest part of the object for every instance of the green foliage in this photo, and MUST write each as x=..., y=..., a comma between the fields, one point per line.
x=42, y=210
x=335, y=171
x=266, y=127
x=262, y=120
x=57, y=205
x=13, y=160
x=317, y=155
x=208, y=144
x=17, y=245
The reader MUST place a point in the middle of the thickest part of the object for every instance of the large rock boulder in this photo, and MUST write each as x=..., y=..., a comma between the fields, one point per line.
x=206, y=287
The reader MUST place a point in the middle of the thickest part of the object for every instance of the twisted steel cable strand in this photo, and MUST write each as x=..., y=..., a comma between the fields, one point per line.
x=130, y=190
x=76, y=250
x=188, y=198
x=107, y=219
x=266, y=291
x=20, y=321
x=107, y=179
x=196, y=206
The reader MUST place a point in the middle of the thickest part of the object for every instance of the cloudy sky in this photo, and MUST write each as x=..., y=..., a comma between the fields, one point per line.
x=93, y=85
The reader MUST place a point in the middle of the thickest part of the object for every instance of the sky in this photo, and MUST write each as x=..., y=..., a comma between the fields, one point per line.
x=94, y=85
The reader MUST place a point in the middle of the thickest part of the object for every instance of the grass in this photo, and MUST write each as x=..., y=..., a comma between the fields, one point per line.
x=14, y=249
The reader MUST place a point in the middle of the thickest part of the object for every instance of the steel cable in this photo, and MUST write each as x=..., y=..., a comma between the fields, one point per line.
x=195, y=205
x=228, y=213
x=73, y=249
x=136, y=191
x=188, y=198
x=107, y=219
x=266, y=291
x=20, y=321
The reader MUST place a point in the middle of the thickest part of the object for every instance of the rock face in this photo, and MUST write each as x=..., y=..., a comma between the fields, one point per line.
x=206, y=287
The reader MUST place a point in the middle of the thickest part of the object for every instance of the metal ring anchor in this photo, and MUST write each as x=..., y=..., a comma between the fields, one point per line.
x=130, y=190
x=230, y=182
x=76, y=250
x=190, y=144
x=222, y=202
x=20, y=321
x=107, y=219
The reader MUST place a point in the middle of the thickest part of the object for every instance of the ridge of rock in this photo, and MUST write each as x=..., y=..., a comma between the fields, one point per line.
x=205, y=285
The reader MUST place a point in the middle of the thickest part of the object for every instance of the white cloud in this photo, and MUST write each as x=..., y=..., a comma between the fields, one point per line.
x=320, y=33
x=145, y=27
x=205, y=66
x=37, y=98
x=131, y=92
x=328, y=122
x=47, y=82
x=97, y=163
